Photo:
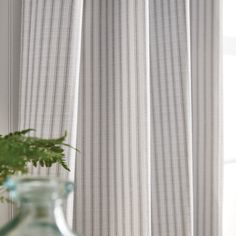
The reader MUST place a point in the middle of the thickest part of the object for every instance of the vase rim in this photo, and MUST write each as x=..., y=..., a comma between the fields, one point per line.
x=34, y=187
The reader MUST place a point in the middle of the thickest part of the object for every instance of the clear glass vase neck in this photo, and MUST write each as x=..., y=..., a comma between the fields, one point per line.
x=40, y=204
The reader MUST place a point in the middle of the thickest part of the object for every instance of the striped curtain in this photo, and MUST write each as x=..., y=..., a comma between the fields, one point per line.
x=50, y=53
x=170, y=119
x=113, y=173
x=206, y=116
x=143, y=106
x=50, y=58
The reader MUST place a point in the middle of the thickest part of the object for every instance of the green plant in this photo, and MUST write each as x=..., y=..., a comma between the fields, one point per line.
x=18, y=149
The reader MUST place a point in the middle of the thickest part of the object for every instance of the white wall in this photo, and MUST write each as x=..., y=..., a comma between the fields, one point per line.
x=10, y=18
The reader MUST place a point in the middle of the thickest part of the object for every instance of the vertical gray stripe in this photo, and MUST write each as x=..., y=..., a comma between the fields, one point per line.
x=128, y=114
x=138, y=118
x=163, y=149
x=184, y=88
x=100, y=119
x=33, y=65
x=58, y=51
x=69, y=50
x=205, y=73
x=91, y=113
x=48, y=60
x=121, y=122
x=83, y=129
x=213, y=98
x=156, y=198
x=21, y=59
x=10, y=21
x=114, y=121
x=195, y=91
x=182, y=59
x=176, y=133
x=84, y=120
x=42, y=27
x=28, y=59
x=168, y=117
x=205, y=123
x=9, y=78
x=107, y=119
x=161, y=121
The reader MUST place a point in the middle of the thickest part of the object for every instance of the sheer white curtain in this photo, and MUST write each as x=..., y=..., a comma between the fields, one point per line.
x=50, y=59
x=144, y=110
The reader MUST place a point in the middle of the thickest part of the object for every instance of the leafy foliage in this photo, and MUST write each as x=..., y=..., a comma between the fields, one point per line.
x=18, y=149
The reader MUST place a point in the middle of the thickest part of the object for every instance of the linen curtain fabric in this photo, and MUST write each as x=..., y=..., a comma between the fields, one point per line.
x=113, y=193
x=49, y=69
x=175, y=145
x=50, y=53
x=206, y=34
x=170, y=119
x=143, y=106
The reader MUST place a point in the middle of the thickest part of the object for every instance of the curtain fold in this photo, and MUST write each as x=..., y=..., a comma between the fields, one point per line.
x=113, y=193
x=143, y=106
x=206, y=116
x=50, y=53
x=170, y=124
x=49, y=85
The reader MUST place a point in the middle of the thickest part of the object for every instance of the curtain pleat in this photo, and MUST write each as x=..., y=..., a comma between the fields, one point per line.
x=49, y=85
x=170, y=123
x=49, y=65
x=206, y=113
x=113, y=190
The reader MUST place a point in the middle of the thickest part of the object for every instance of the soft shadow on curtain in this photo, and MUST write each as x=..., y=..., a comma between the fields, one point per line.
x=144, y=110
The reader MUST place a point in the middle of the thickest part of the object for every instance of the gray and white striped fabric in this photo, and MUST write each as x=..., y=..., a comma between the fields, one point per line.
x=170, y=124
x=113, y=185
x=145, y=111
x=49, y=68
x=10, y=12
x=50, y=53
x=206, y=115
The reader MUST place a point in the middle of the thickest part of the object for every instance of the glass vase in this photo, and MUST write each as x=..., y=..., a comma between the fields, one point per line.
x=40, y=207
